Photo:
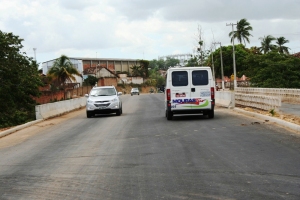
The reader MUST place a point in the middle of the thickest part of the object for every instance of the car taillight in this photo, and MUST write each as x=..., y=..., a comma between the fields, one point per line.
x=168, y=93
x=212, y=92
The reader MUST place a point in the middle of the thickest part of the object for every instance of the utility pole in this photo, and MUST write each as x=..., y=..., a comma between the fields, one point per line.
x=34, y=49
x=222, y=71
x=212, y=63
x=234, y=67
x=96, y=67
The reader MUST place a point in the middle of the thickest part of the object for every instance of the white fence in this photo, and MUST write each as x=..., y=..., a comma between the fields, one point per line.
x=285, y=94
x=258, y=101
x=262, y=98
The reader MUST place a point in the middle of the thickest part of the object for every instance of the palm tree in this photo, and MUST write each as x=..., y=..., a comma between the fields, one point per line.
x=63, y=71
x=242, y=33
x=280, y=42
x=266, y=45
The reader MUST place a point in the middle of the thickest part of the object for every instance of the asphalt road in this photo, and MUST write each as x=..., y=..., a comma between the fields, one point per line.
x=289, y=108
x=141, y=155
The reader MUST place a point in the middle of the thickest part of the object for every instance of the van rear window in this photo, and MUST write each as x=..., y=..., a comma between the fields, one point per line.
x=200, y=77
x=180, y=78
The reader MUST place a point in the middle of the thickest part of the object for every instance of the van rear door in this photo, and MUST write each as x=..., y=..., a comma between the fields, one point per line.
x=200, y=88
x=180, y=89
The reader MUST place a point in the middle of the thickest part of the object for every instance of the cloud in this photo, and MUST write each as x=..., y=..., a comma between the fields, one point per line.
x=136, y=29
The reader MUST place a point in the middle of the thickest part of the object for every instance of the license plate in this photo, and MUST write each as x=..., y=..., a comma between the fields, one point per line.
x=101, y=107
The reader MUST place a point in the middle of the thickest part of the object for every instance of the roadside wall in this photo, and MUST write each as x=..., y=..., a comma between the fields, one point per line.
x=286, y=95
x=49, y=110
x=225, y=98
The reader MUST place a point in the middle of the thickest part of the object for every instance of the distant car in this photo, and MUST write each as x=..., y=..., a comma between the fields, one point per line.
x=103, y=100
x=135, y=91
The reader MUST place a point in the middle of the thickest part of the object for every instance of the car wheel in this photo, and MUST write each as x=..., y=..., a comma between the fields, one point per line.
x=169, y=115
x=118, y=113
x=131, y=94
x=89, y=114
x=211, y=114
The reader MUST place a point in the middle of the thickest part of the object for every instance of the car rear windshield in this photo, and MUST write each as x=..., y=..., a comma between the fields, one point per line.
x=180, y=78
x=200, y=77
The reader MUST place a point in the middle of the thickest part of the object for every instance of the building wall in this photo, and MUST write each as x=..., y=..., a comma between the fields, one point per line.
x=107, y=82
x=118, y=66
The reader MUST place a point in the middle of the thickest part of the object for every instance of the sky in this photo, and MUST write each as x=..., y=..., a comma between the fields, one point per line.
x=142, y=29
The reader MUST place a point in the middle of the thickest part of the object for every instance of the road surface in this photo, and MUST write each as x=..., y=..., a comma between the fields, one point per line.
x=142, y=155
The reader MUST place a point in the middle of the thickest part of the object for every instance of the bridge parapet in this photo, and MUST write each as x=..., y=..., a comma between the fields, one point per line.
x=287, y=95
x=263, y=102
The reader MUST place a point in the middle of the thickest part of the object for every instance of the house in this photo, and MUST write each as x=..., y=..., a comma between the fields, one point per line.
x=105, y=76
x=88, y=66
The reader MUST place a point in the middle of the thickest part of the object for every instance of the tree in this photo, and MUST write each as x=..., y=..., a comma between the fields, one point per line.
x=160, y=64
x=192, y=62
x=273, y=70
x=280, y=42
x=19, y=82
x=242, y=31
x=241, y=53
x=63, y=71
x=171, y=62
x=266, y=45
x=91, y=80
x=141, y=70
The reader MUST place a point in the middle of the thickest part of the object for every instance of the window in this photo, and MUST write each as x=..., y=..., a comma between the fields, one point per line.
x=103, y=92
x=200, y=77
x=180, y=78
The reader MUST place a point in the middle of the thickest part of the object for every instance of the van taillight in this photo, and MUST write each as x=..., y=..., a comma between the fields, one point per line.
x=168, y=95
x=212, y=92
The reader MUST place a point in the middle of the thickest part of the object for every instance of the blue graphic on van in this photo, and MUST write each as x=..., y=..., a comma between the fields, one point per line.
x=196, y=102
x=205, y=94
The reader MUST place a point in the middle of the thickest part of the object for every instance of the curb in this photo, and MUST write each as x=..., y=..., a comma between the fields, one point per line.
x=283, y=123
x=17, y=128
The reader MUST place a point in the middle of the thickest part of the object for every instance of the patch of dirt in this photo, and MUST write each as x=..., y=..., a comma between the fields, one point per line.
x=287, y=117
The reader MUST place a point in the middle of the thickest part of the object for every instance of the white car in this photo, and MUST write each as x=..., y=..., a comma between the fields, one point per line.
x=135, y=91
x=103, y=100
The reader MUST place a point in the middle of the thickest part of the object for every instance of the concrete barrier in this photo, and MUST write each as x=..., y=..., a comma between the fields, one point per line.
x=258, y=101
x=225, y=98
x=49, y=110
x=285, y=93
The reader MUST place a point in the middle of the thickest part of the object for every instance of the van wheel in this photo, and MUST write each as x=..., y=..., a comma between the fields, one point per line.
x=211, y=114
x=169, y=115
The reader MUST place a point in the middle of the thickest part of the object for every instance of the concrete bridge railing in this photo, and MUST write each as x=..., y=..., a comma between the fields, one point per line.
x=262, y=98
x=49, y=110
x=258, y=101
x=285, y=93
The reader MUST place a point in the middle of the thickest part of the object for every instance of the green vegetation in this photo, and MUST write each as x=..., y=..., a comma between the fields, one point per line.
x=142, y=69
x=272, y=112
x=62, y=72
x=242, y=31
x=19, y=80
x=90, y=80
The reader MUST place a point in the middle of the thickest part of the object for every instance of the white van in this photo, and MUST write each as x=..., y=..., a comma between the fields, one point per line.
x=189, y=90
